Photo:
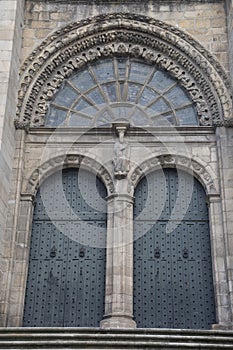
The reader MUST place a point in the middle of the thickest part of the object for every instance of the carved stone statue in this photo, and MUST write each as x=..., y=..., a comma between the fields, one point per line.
x=121, y=153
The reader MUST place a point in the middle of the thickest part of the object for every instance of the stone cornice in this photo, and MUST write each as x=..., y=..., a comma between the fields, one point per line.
x=72, y=47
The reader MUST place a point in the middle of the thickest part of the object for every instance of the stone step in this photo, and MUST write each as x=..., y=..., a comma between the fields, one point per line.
x=95, y=338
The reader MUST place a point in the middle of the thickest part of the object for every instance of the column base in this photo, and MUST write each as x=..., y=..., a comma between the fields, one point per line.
x=222, y=326
x=118, y=321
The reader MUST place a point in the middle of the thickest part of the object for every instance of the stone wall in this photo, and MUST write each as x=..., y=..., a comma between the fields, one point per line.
x=11, y=22
x=229, y=8
x=205, y=21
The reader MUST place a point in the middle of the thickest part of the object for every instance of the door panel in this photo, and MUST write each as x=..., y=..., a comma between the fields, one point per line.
x=173, y=284
x=66, y=277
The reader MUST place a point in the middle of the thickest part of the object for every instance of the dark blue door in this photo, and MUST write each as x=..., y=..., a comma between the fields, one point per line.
x=173, y=285
x=66, y=277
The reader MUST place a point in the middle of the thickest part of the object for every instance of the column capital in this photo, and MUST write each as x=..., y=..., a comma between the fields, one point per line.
x=213, y=198
x=121, y=197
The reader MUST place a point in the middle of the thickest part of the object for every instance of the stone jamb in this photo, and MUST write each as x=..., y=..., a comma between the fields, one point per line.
x=225, y=154
x=218, y=249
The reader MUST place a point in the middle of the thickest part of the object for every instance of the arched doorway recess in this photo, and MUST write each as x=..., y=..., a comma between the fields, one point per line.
x=173, y=284
x=66, y=278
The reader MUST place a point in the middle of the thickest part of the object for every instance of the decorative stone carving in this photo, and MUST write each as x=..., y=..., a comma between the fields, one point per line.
x=64, y=161
x=227, y=123
x=121, y=160
x=73, y=46
x=182, y=162
x=24, y=124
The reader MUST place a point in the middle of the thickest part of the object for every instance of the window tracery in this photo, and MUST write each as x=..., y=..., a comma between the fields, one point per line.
x=121, y=87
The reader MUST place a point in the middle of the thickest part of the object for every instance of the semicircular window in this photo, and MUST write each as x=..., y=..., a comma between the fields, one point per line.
x=121, y=88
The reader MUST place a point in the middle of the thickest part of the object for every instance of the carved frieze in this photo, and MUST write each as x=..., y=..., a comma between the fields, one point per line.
x=158, y=43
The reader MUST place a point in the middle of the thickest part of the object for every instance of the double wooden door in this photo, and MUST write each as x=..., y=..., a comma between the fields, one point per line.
x=173, y=284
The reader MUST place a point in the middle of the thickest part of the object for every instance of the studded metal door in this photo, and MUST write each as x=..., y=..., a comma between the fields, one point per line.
x=66, y=277
x=173, y=285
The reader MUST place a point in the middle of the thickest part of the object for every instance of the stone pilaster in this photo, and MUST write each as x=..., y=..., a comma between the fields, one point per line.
x=225, y=158
x=222, y=302
x=10, y=50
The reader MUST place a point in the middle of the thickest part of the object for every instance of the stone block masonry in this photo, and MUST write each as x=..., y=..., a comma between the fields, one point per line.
x=205, y=21
x=11, y=23
x=229, y=8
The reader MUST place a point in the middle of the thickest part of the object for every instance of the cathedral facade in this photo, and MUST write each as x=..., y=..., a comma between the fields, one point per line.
x=116, y=164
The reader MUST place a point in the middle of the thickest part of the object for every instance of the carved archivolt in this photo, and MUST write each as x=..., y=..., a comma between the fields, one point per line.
x=175, y=161
x=73, y=46
x=65, y=161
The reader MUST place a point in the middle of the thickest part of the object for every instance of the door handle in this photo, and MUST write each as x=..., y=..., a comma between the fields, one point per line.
x=53, y=252
x=157, y=253
x=185, y=253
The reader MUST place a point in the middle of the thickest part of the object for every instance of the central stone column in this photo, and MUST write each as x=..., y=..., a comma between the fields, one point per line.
x=119, y=279
x=119, y=270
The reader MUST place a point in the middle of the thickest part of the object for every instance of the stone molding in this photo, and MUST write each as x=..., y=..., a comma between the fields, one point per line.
x=72, y=47
x=176, y=161
x=66, y=161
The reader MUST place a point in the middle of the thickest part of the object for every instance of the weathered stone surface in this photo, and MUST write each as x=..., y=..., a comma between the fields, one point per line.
x=185, y=60
x=70, y=338
x=53, y=30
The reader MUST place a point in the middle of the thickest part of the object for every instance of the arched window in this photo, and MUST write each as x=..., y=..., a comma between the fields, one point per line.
x=120, y=87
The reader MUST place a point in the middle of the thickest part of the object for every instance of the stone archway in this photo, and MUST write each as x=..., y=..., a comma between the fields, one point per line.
x=73, y=46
